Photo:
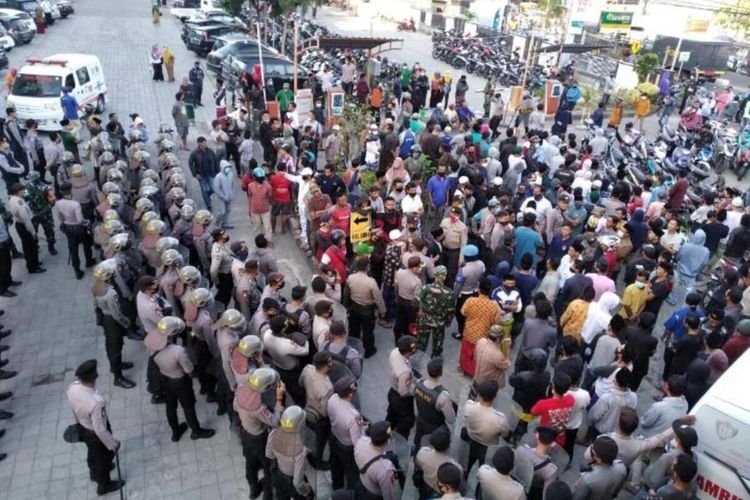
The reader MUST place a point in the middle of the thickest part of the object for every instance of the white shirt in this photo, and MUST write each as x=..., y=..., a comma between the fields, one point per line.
x=412, y=205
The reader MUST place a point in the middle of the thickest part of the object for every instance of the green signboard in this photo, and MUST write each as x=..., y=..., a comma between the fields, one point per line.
x=615, y=20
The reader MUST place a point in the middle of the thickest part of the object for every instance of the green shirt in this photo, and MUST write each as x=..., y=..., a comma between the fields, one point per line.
x=284, y=96
x=405, y=77
x=69, y=142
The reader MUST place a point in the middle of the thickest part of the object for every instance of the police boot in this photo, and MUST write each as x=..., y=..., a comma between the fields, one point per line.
x=51, y=248
x=109, y=487
x=125, y=383
x=202, y=434
x=79, y=274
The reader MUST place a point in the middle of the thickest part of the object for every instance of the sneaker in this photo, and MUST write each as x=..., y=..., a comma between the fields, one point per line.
x=176, y=435
x=202, y=434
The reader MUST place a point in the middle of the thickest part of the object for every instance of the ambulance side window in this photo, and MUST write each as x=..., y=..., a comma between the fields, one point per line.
x=70, y=82
x=83, y=76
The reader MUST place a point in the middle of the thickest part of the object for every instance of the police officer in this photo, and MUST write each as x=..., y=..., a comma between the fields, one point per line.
x=151, y=308
x=379, y=473
x=544, y=470
x=259, y=404
x=176, y=369
x=196, y=77
x=434, y=405
x=347, y=426
x=286, y=446
x=449, y=482
x=83, y=191
x=318, y=388
x=201, y=322
x=343, y=354
x=362, y=301
x=202, y=240
x=90, y=410
x=401, y=393
x=495, y=482
x=172, y=262
x=75, y=228
x=429, y=459
x=607, y=474
x=246, y=357
x=484, y=424
x=286, y=351
x=112, y=319
x=230, y=327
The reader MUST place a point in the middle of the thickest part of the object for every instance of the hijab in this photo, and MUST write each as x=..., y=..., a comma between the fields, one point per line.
x=155, y=52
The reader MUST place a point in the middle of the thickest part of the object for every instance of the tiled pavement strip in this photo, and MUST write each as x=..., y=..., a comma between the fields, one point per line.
x=53, y=319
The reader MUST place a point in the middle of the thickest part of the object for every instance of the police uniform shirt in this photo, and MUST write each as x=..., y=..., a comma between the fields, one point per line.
x=467, y=280
x=407, y=284
x=496, y=486
x=284, y=352
x=380, y=476
x=304, y=323
x=630, y=447
x=318, y=389
x=21, y=212
x=484, y=424
x=68, y=212
x=444, y=404
x=90, y=411
x=402, y=379
x=221, y=261
x=364, y=291
x=346, y=422
x=455, y=234
x=201, y=327
x=429, y=460
x=173, y=362
x=353, y=358
x=257, y=421
x=226, y=339
x=543, y=476
x=149, y=311
x=321, y=328
x=257, y=321
x=109, y=306
x=167, y=283
x=602, y=481
x=293, y=466
x=83, y=191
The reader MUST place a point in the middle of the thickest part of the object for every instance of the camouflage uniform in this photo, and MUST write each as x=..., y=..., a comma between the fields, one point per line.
x=41, y=208
x=436, y=307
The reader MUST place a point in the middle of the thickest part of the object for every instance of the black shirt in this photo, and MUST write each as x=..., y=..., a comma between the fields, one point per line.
x=715, y=232
x=660, y=291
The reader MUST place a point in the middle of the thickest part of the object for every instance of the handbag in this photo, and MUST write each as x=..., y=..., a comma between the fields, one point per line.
x=72, y=434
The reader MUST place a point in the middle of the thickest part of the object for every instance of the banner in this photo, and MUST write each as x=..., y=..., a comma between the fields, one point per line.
x=615, y=20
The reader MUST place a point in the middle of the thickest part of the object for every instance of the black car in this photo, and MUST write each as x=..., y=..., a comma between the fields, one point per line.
x=3, y=59
x=224, y=47
x=17, y=28
x=278, y=68
x=189, y=28
x=202, y=39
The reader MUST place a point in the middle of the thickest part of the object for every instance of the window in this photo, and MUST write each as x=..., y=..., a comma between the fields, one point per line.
x=82, y=75
x=27, y=85
x=274, y=69
x=70, y=82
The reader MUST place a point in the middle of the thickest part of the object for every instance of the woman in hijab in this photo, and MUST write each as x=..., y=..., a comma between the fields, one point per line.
x=168, y=57
x=156, y=60
x=598, y=317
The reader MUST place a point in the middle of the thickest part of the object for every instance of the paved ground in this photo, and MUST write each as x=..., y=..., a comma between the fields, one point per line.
x=54, y=326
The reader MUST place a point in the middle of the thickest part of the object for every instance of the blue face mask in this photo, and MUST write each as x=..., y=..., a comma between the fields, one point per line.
x=227, y=170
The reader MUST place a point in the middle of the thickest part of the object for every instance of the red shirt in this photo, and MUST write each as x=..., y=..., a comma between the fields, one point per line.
x=554, y=412
x=340, y=218
x=281, y=191
x=736, y=347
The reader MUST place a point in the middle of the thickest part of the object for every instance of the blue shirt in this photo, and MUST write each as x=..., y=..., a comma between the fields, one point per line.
x=438, y=189
x=676, y=322
x=527, y=241
x=69, y=106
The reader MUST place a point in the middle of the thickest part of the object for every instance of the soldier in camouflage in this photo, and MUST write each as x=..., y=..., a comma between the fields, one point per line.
x=38, y=196
x=436, y=307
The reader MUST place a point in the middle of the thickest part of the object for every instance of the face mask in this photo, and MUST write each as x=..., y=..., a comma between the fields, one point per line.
x=454, y=218
x=227, y=170
x=441, y=174
x=399, y=189
x=640, y=285
x=242, y=254
x=537, y=197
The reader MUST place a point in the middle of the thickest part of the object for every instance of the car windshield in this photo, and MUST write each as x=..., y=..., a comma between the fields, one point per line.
x=29, y=6
x=27, y=85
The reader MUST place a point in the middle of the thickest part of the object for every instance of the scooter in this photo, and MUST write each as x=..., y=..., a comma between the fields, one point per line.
x=409, y=25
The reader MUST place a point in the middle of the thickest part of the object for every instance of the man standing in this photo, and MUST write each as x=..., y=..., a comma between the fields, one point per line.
x=181, y=122
x=347, y=427
x=259, y=194
x=6, y=258
x=70, y=108
x=407, y=283
x=10, y=170
x=434, y=405
x=286, y=447
x=401, y=393
x=25, y=228
x=196, y=77
x=204, y=167
x=364, y=297
x=378, y=471
x=223, y=186
x=318, y=390
x=90, y=411
x=38, y=195
x=436, y=308
x=14, y=137
x=456, y=235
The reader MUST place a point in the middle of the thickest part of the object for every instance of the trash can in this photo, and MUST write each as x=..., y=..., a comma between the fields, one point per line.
x=190, y=112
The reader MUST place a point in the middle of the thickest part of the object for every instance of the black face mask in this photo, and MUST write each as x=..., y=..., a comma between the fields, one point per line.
x=242, y=254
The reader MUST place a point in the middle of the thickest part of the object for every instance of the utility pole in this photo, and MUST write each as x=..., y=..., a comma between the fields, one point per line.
x=296, y=41
x=528, y=61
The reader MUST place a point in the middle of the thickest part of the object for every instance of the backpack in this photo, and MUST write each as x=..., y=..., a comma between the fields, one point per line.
x=409, y=140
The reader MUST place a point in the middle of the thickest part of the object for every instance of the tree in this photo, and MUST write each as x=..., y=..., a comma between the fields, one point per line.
x=735, y=16
x=645, y=64
x=553, y=10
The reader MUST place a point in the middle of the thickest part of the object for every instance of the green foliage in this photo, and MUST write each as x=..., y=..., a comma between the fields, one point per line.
x=469, y=15
x=553, y=10
x=649, y=89
x=645, y=64
x=286, y=7
x=232, y=6
x=733, y=16
x=353, y=122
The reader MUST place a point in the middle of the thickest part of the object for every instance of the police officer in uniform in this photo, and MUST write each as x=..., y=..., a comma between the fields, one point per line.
x=380, y=477
x=434, y=405
x=112, y=320
x=429, y=459
x=200, y=321
x=401, y=393
x=318, y=390
x=362, y=299
x=259, y=404
x=230, y=327
x=286, y=351
x=176, y=369
x=286, y=447
x=347, y=426
x=343, y=354
x=75, y=228
x=90, y=410
x=84, y=192
x=246, y=357
x=151, y=308
x=544, y=470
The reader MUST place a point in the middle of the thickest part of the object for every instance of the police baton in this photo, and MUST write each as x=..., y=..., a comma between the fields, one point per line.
x=119, y=474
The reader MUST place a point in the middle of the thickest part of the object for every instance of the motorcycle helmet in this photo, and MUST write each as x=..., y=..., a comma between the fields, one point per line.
x=114, y=200
x=109, y=188
x=111, y=215
x=148, y=191
x=204, y=217
x=200, y=297
x=155, y=227
x=187, y=212
x=172, y=257
x=167, y=243
x=105, y=270
x=232, y=318
x=150, y=174
x=337, y=236
x=107, y=158
x=147, y=217
x=113, y=227
x=144, y=205
x=118, y=242
x=189, y=275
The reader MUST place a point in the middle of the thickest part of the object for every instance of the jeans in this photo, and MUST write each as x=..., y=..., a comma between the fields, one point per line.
x=683, y=286
x=222, y=218
x=206, y=190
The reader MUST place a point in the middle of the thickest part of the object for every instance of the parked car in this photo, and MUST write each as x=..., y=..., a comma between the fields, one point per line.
x=231, y=45
x=66, y=8
x=183, y=9
x=218, y=15
x=27, y=6
x=3, y=59
x=17, y=25
x=6, y=41
x=202, y=39
x=189, y=28
x=279, y=68
x=51, y=12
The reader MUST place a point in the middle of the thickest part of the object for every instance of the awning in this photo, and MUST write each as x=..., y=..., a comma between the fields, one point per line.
x=354, y=43
x=571, y=48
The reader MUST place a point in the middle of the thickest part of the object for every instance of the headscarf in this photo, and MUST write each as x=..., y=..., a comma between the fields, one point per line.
x=155, y=52
x=599, y=315
x=167, y=54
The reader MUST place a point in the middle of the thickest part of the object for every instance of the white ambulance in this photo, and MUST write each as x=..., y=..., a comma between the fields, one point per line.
x=39, y=84
x=722, y=421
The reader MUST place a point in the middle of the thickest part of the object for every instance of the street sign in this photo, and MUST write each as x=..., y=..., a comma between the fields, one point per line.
x=683, y=57
x=609, y=20
x=635, y=47
x=304, y=100
x=359, y=227
x=576, y=28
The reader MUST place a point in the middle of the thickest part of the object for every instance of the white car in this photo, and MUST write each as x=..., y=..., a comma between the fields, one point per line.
x=6, y=41
x=23, y=16
x=50, y=8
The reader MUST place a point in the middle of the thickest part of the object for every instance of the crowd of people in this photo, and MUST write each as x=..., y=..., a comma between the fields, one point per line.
x=554, y=271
